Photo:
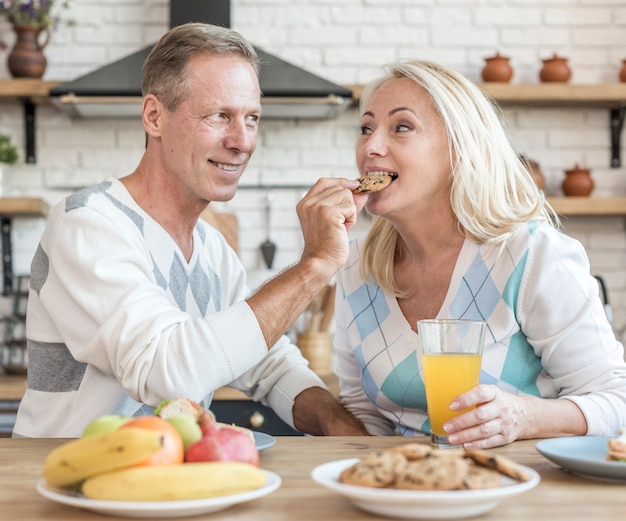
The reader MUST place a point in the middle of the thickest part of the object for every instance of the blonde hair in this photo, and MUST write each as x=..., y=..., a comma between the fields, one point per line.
x=492, y=191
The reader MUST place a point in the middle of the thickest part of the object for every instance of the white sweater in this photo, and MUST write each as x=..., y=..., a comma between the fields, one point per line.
x=548, y=335
x=117, y=318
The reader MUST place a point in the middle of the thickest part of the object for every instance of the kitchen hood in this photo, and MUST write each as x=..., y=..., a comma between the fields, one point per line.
x=288, y=92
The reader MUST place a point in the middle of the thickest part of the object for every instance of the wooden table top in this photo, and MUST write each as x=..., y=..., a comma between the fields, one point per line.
x=559, y=496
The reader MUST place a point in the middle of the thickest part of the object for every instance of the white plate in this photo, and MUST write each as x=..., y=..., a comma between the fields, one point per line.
x=418, y=504
x=263, y=441
x=584, y=456
x=156, y=509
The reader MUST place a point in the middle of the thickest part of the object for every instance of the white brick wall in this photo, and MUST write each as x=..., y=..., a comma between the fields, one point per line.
x=346, y=42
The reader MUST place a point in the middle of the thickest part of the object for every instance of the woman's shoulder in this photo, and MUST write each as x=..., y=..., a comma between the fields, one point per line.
x=540, y=235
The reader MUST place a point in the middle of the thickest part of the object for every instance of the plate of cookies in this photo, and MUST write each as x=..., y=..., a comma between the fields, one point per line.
x=415, y=481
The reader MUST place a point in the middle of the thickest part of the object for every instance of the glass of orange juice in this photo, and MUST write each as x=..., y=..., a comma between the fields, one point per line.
x=451, y=352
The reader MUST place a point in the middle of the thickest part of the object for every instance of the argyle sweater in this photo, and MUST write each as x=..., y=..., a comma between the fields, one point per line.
x=548, y=334
x=118, y=320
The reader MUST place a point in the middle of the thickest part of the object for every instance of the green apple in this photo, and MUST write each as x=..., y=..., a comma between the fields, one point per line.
x=103, y=424
x=187, y=427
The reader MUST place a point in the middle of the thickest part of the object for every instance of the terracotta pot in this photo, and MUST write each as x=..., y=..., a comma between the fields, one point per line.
x=535, y=171
x=26, y=59
x=577, y=182
x=497, y=68
x=555, y=69
x=622, y=72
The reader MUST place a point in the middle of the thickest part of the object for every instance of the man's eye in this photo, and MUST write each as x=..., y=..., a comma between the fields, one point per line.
x=253, y=120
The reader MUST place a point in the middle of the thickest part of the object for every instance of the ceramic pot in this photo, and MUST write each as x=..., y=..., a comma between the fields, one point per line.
x=622, y=72
x=498, y=69
x=577, y=182
x=555, y=69
x=535, y=172
x=26, y=59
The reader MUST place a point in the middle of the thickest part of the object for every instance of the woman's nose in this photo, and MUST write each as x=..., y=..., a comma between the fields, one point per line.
x=375, y=145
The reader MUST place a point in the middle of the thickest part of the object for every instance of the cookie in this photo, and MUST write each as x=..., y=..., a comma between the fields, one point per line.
x=502, y=464
x=479, y=477
x=413, y=451
x=377, y=469
x=373, y=183
x=432, y=473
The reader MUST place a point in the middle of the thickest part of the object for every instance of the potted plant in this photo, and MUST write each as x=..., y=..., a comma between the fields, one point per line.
x=8, y=151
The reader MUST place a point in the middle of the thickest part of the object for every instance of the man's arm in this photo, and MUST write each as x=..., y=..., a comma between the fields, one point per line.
x=326, y=214
x=317, y=412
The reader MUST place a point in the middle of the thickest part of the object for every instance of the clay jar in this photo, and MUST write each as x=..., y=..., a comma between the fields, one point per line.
x=577, y=182
x=555, y=69
x=535, y=171
x=26, y=59
x=622, y=72
x=497, y=69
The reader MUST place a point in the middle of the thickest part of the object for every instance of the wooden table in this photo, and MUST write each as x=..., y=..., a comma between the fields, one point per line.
x=559, y=496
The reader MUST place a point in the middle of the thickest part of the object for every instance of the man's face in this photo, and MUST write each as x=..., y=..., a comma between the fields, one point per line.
x=208, y=141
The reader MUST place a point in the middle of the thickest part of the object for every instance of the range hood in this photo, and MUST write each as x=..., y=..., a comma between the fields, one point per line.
x=288, y=92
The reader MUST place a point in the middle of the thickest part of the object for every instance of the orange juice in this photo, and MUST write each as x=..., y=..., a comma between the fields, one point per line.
x=446, y=375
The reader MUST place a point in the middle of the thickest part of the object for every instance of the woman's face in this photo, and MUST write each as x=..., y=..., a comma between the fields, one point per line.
x=401, y=133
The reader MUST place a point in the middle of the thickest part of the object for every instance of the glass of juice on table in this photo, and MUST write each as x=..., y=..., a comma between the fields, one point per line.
x=451, y=352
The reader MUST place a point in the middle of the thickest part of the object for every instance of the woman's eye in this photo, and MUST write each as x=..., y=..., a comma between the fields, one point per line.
x=365, y=130
x=403, y=128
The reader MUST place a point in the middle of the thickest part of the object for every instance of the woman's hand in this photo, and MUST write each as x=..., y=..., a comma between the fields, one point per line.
x=500, y=418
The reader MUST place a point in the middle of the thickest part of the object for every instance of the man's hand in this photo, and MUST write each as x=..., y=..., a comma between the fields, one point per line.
x=316, y=411
x=326, y=213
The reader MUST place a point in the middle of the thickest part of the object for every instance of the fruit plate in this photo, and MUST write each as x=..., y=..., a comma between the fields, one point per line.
x=584, y=456
x=263, y=441
x=156, y=509
x=420, y=504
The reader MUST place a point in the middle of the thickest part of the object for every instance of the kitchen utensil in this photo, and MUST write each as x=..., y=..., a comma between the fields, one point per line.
x=268, y=248
x=328, y=308
x=316, y=347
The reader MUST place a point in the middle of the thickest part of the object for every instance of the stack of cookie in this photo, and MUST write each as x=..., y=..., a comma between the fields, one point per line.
x=416, y=466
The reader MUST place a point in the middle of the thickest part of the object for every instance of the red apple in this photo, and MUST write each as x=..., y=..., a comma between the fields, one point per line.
x=207, y=423
x=223, y=445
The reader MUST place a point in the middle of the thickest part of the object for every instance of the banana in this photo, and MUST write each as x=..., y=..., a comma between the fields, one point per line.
x=78, y=459
x=175, y=482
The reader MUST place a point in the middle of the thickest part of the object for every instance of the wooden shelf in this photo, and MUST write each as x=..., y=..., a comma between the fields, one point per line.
x=26, y=88
x=23, y=206
x=572, y=206
x=558, y=94
x=548, y=94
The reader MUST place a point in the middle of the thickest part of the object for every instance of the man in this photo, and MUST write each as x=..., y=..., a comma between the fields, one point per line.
x=134, y=300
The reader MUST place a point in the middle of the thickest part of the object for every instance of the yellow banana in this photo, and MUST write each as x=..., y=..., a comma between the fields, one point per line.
x=175, y=482
x=78, y=459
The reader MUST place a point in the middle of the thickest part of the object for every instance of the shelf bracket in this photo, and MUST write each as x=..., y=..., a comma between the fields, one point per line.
x=617, y=123
x=7, y=255
x=29, y=130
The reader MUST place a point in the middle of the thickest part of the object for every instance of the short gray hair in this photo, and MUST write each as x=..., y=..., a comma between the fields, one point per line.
x=165, y=73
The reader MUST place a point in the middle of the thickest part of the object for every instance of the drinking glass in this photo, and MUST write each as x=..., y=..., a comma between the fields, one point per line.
x=451, y=352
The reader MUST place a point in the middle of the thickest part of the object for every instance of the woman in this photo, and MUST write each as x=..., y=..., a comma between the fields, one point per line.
x=464, y=232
